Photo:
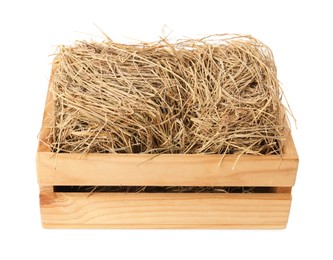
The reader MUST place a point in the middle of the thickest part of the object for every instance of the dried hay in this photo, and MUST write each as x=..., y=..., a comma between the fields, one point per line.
x=215, y=95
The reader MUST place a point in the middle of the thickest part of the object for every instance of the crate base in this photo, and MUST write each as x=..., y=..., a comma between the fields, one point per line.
x=165, y=210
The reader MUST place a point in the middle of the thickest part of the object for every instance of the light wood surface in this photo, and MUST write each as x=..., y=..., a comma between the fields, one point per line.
x=165, y=170
x=143, y=210
x=47, y=117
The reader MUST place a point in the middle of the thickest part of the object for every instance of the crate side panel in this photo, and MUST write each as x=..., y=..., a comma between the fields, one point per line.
x=165, y=170
x=164, y=210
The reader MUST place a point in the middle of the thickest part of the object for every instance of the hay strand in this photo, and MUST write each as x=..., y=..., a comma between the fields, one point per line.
x=215, y=95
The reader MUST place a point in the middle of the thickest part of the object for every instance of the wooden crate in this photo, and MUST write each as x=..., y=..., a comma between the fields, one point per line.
x=164, y=210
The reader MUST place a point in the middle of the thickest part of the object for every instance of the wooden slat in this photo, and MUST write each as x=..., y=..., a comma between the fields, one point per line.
x=289, y=145
x=114, y=210
x=47, y=117
x=165, y=170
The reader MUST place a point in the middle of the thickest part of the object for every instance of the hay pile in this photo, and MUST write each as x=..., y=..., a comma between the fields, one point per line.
x=216, y=95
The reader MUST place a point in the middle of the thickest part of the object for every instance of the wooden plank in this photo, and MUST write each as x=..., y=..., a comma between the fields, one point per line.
x=143, y=210
x=289, y=145
x=47, y=117
x=165, y=170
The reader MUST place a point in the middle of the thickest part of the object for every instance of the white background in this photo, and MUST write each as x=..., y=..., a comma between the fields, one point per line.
x=298, y=32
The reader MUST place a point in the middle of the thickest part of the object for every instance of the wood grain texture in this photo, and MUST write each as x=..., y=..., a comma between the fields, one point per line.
x=47, y=117
x=110, y=210
x=165, y=170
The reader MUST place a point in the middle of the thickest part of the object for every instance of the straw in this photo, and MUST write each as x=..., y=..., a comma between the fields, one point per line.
x=215, y=95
